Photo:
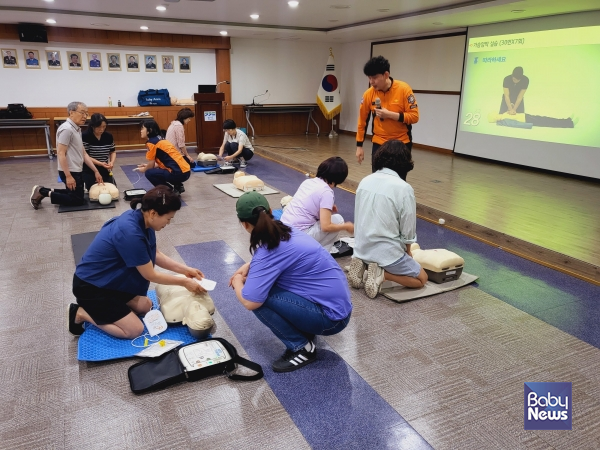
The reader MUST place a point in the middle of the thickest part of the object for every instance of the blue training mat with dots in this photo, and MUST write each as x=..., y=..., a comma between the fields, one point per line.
x=277, y=213
x=95, y=345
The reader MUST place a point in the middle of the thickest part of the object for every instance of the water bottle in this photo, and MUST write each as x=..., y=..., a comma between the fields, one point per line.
x=109, y=102
x=119, y=103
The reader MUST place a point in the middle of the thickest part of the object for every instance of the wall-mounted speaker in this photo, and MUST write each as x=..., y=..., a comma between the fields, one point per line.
x=32, y=32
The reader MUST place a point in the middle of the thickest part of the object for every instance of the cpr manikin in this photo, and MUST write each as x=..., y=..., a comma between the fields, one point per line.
x=247, y=183
x=441, y=265
x=103, y=193
x=177, y=304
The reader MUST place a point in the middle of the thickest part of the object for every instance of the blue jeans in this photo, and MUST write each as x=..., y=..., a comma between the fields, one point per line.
x=296, y=320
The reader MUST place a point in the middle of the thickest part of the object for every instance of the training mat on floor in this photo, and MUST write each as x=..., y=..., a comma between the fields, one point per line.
x=202, y=169
x=139, y=180
x=400, y=294
x=95, y=345
x=234, y=192
x=80, y=243
x=86, y=206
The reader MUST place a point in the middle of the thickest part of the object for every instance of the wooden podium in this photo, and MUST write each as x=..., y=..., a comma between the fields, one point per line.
x=209, y=122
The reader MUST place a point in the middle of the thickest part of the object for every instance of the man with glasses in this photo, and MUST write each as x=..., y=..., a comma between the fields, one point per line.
x=71, y=157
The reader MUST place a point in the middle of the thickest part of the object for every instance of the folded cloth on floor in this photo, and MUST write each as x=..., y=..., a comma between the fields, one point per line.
x=96, y=345
x=400, y=293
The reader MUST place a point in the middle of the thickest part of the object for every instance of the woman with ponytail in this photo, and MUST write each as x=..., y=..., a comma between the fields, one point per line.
x=112, y=279
x=292, y=284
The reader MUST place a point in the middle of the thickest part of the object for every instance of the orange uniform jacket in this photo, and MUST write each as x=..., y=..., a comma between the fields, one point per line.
x=398, y=98
x=166, y=156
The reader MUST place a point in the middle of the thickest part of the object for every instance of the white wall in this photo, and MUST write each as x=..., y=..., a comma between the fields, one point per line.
x=353, y=82
x=45, y=87
x=290, y=70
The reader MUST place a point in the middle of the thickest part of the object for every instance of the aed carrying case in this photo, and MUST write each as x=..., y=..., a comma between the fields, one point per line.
x=131, y=194
x=191, y=362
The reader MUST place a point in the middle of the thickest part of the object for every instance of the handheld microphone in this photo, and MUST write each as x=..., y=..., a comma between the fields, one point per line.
x=378, y=106
x=254, y=104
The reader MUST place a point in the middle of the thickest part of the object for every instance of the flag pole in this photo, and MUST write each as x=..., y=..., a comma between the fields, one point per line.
x=332, y=133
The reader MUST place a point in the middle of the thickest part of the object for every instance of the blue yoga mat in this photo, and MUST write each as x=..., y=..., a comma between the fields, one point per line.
x=203, y=169
x=95, y=345
x=277, y=213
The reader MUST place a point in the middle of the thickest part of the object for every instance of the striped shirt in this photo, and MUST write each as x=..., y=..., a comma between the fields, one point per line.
x=98, y=149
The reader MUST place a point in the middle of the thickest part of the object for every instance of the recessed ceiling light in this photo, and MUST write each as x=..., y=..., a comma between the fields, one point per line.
x=340, y=6
x=161, y=8
x=517, y=11
x=383, y=10
x=50, y=21
x=49, y=1
x=143, y=27
x=254, y=16
x=223, y=33
x=438, y=23
x=293, y=3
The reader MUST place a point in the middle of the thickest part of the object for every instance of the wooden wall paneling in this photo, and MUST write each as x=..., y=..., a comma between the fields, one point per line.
x=223, y=63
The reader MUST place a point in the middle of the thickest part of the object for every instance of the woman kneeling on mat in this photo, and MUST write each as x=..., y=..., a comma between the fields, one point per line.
x=166, y=165
x=313, y=209
x=385, y=214
x=292, y=284
x=112, y=279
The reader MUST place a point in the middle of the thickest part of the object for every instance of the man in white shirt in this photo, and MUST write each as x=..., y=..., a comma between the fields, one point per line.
x=236, y=144
x=71, y=157
x=385, y=224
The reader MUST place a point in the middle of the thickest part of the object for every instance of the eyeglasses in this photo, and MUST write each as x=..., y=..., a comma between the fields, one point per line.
x=83, y=113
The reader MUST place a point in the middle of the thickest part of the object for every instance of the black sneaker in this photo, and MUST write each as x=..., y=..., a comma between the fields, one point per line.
x=179, y=188
x=76, y=329
x=291, y=361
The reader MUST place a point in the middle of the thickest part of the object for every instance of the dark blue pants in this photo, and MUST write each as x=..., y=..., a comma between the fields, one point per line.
x=232, y=147
x=158, y=176
x=68, y=197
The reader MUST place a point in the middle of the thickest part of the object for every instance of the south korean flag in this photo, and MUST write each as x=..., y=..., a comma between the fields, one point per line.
x=328, y=95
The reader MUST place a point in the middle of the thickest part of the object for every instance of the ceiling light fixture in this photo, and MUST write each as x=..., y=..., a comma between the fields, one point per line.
x=223, y=33
x=254, y=16
x=99, y=24
x=143, y=27
x=293, y=3
x=49, y=1
x=161, y=8
x=518, y=11
x=50, y=21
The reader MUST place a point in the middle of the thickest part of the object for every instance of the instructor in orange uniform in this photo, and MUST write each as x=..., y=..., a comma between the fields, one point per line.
x=394, y=118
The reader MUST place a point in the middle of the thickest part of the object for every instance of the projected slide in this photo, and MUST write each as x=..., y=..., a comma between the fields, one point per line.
x=540, y=86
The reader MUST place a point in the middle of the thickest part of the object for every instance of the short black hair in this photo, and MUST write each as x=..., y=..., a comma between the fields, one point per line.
x=152, y=127
x=31, y=53
x=517, y=72
x=161, y=199
x=229, y=125
x=184, y=113
x=333, y=170
x=75, y=55
x=377, y=65
x=394, y=155
x=96, y=120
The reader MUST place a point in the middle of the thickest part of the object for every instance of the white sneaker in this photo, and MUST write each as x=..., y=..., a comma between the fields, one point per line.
x=242, y=163
x=355, y=273
x=375, y=278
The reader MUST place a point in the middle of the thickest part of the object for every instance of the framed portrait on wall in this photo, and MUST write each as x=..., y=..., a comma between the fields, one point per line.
x=185, y=64
x=10, y=59
x=114, y=61
x=32, y=59
x=74, y=60
x=167, y=63
x=53, y=58
x=150, y=63
x=133, y=63
x=95, y=60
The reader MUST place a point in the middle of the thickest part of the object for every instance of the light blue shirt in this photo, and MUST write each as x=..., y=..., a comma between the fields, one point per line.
x=385, y=218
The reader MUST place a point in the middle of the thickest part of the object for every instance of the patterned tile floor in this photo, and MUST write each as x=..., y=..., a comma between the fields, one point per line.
x=445, y=372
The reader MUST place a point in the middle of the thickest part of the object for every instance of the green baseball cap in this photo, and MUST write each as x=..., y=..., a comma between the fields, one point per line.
x=247, y=202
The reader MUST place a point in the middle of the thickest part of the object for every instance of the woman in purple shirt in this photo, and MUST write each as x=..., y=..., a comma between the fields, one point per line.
x=292, y=284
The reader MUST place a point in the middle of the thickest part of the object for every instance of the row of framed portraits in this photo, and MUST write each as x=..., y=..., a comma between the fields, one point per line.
x=74, y=61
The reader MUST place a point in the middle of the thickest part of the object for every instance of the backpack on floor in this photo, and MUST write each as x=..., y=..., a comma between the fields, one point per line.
x=191, y=362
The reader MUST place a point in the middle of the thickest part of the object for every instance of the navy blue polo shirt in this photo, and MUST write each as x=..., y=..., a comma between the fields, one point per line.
x=120, y=246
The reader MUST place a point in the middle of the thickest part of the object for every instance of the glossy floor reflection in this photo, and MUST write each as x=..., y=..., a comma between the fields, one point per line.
x=445, y=372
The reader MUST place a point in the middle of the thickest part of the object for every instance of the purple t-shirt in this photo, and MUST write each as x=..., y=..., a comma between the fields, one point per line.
x=301, y=266
x=305, y=208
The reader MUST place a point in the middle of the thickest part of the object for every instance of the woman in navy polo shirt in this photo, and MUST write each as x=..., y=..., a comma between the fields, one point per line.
x=112, y=279
x=293, y=285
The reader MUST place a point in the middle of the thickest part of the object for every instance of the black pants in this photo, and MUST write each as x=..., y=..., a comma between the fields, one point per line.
x=232, y=147
x=158, y=176
x=376, y=147
x=89, y=179
x=549, y=122
x=68, y=197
